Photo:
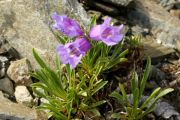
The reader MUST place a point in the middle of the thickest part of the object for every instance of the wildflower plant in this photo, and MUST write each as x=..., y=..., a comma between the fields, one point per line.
x=135, y=110
x=82, y=56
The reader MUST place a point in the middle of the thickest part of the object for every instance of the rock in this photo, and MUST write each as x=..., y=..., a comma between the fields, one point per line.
x=13, y=111
x=26, y=30
x=155, y=50
x=119, y=2
x=6, y=86
x=156, y=74
x=23, y=96
x=69, y=7
x=19, y=71
x=165, y=110
x=2, y=48
x=3, y=66
x=137, y=30
x=177, y=5
x=164, y=28
x=175, y=13
x=168, y=4
x=108, y=9
x=2, y=71
x=7, y=50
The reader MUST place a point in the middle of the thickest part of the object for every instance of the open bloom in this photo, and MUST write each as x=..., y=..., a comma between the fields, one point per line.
x=110, y=35
x=71, y=53
x=66, y=25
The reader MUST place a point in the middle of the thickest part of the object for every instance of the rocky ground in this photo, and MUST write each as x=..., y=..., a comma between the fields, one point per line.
x=26, y=24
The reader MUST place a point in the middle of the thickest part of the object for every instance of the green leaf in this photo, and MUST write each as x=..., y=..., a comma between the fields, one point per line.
x=134, y=82
x=123, y=92
x=114, y=62
x=39, y=60
x=61, y=39
x=94, y=105
x=82, y=93
x=53, y=109
x=95, y=111
x=152, y=96
x=135, y=89
x=145, y=77
x=136, y=98
x=116, y=115
x=117, y=96
x=152, y=106
x=98, y=87
x=93, y=21
x=164, y=92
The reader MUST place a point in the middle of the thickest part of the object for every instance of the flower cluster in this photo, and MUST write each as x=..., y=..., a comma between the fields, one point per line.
x=71, y=53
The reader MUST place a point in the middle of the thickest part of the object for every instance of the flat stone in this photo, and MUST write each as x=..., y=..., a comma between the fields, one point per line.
x=6, y=86
x=108, y=9
x=23, y=96
x=14, y=111
x=164, y=28
x=154, y=49
x=19, y=71
x=119, y=2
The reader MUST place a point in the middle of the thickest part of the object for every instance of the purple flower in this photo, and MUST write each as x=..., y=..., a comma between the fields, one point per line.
x=110, y=35
x=66, y=25
x=71, y=53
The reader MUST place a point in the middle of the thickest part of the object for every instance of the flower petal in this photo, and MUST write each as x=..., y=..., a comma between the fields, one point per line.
x=83, y=44
x=74, y=61
x=71, y=53
x=107, y=21
x=95, y=32
x=62, y=52
x=66, y=25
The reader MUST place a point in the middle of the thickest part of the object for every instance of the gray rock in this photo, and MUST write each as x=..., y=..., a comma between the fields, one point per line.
x=23, y=96
x=2, y=71
x=164, y=28
x=3, y=59
x=13, y=111
x=3, y=66
x=19, y=71
x=168, y=4
x=6, y=85
x=7, y=50
x=69, y=7
x=165, y=110
x=119, y=2
x=177, y=5
x=2, y=48
x=108, y=9
x=25, y=24
x=156, y=74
